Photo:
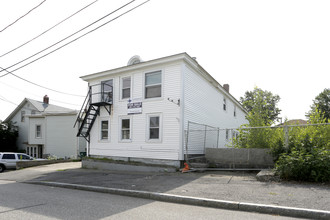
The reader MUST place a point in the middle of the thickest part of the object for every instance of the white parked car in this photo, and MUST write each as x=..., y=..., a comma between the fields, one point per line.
x=8, y=160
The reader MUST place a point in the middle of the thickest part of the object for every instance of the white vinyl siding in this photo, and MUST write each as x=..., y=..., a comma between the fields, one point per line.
x=168, y=146
x=210, y=106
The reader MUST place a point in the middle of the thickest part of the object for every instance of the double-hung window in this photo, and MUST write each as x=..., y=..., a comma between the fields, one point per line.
x=38, y=131
x=154, y=125
x=153, y=84
x=125, y=129
x=126, y=88
x=105, y=130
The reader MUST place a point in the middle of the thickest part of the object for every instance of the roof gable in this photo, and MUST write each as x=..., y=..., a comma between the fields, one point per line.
x=41, y=107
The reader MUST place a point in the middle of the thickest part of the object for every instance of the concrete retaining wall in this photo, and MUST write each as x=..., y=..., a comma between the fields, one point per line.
x=33, y=163
x=239, y=158
x=108, y=165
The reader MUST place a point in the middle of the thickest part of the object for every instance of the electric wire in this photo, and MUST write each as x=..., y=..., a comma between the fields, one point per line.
x=44, y=32
x=67, y=38
x=22, y=16
x=9, y=72
x=35, y=95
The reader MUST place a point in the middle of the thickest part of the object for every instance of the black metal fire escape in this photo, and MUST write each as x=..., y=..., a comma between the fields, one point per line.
x=98, y=96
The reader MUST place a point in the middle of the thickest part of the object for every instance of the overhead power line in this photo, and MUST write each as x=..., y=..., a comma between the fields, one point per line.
x=44, y=32
x=44, y=87
x=35, y=95
x=5, y=69
x=22, y=16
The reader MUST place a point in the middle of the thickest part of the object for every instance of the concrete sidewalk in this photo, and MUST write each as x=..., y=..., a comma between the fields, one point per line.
x=231, y=190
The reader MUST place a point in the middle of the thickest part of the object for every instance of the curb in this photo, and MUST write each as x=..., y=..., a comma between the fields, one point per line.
x=213, y=203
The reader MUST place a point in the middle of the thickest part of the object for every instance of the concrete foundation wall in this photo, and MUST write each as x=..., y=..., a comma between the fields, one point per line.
x=239, y=158
x=115, y=166
x=33, y=163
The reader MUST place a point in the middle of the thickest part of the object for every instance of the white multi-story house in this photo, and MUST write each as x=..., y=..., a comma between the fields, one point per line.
x=46, y=130
x=141, y=111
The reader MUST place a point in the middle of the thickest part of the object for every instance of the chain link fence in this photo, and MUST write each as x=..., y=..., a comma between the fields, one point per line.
x=201, y=136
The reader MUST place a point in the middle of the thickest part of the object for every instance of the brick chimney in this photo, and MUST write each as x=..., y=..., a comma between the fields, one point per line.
x=46, y=99
x=226, y=87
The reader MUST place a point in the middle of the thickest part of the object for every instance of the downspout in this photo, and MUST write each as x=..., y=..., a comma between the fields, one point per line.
x=182, y=119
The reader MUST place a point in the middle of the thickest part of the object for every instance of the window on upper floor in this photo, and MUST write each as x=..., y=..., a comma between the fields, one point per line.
x=224, y=104
x=22, y=116
x=107, y=91
x=126, y=87
x=38, y=131
x=153, y=84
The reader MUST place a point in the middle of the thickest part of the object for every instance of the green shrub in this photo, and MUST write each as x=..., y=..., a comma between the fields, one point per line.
x=305, y=165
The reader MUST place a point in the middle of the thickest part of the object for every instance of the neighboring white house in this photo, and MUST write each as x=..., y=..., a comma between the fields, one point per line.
x=46, y=130
x=141, y=111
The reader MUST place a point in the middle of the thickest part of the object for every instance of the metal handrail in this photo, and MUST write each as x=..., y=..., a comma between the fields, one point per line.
x=83, y=106
x=89, y=98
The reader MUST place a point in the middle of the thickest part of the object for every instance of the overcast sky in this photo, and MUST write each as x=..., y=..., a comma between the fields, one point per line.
x=278, y=46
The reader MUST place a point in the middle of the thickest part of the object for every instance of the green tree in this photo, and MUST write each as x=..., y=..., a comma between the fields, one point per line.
x=262, y=107
x=262, y=112
x=322, y=103
x=8, y=136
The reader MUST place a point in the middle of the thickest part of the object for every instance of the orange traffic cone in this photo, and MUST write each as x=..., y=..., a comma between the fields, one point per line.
x=186, y=168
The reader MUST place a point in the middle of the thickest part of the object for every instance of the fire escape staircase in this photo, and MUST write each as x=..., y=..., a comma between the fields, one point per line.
x=91, y=109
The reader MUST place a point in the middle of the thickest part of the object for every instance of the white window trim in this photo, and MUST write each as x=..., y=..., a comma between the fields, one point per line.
x=148, y=140
x=122, y=87
x=144, y=85
x=130, y=129
x=36, y=132
x=100, y=130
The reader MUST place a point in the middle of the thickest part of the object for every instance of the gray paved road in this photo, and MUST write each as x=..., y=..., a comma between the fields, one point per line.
x=25, y=201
